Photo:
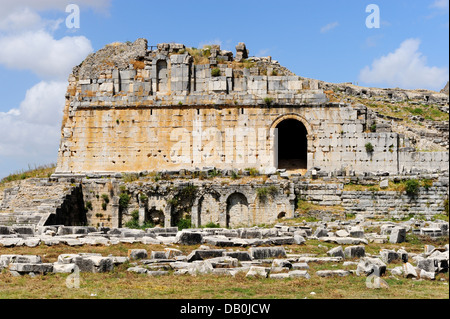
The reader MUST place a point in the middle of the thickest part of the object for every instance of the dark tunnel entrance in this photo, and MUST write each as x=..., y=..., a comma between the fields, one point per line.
x=292, y=145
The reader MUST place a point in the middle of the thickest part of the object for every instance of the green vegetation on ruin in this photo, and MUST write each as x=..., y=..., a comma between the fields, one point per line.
x=42, y=171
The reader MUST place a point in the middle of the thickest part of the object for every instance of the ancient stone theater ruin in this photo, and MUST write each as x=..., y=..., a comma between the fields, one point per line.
x=172, y=132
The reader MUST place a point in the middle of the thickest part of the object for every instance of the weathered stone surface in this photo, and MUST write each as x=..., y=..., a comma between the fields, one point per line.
x=200, y=268
x=409, y=271
x=205, y=254
x=31, y=267
x=267, y=252
x=332, y=273
x=299, y=274
x=239, y=255
x=398, y=235
x=134, y=254
x=256, y=271
x=64, y=268
x=300, y=266
x=354, y=252
x=368, y=266
x=427, y=275
x=188, y=238
x=389, y=256
x=336, y=252
x=138, y=270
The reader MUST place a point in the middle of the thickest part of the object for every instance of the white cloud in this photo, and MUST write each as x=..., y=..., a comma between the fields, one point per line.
x=406, y=68
x=44, y=55
x=43, y=103
x=30, y=132
x=33, y=130
x=440, y=4
x=329, y=27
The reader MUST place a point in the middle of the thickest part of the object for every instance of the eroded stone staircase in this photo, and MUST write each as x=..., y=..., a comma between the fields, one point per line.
x=32, y=201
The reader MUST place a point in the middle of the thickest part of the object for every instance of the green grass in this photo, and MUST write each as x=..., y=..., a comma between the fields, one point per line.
x=43, y=171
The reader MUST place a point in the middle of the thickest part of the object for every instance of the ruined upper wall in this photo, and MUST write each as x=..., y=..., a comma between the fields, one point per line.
x=132, y=74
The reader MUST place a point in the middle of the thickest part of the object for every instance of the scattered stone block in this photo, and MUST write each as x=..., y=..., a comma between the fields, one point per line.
x=389, y=256
x=398, y=235
x=24, y=268
x=134, y=254
x=201, y=254
x=368, y=266
x=427, y=275
x=281, y=263
x=138, y=270
x=354, y=252
x=239, y=255
x=279, y=275
x=64, y=268
x=200, y=268
x=429, y=265
x=267, y=252
x=336, y=252
x=298, y=240
x=300, y=266
x=299, y=274
x=188, y=238
x=256, y=271
x=342, y=233
x=397, y=271
x=320, y=232
x=409, y=271
x=332, y=273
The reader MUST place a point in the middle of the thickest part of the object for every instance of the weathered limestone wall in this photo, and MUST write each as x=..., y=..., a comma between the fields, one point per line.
x=378, y=204
x=145, y=139
x=130, y=109
x=166, y=202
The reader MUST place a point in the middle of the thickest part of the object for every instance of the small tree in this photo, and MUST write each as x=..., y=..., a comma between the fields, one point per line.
x=369, y=147
x=412, y=187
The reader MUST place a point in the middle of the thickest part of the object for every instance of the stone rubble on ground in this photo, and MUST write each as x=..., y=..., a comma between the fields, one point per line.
x=256, y=252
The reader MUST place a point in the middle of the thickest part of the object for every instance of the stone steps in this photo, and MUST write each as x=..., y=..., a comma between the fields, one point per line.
x=32, y=201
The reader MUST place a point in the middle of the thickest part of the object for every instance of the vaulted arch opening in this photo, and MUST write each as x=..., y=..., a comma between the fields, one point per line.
x=292, y=145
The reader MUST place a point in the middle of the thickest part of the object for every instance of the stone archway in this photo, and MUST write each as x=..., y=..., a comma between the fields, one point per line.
x=237, y=210
x=291, y=134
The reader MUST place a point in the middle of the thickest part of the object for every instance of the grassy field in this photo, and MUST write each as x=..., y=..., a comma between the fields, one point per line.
x=120, y=284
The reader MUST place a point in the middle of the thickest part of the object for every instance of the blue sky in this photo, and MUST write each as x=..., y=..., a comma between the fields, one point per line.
x=326, y=40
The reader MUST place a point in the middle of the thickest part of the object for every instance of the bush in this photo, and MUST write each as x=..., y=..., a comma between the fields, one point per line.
x=143, y=198
x=268, y=101
x=212, y=225
x=373, y=128
x=184, y=223
x=369, y=147
x=88, y=205
x=124, y=200
x=105, y=198
x=263, y=192
x=252, y=171
x=412, y=187
x=215, y=72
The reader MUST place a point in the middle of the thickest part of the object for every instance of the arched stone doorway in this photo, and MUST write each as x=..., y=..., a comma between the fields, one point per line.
x=292, y=144
x=237, y=210
x=155, y=217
